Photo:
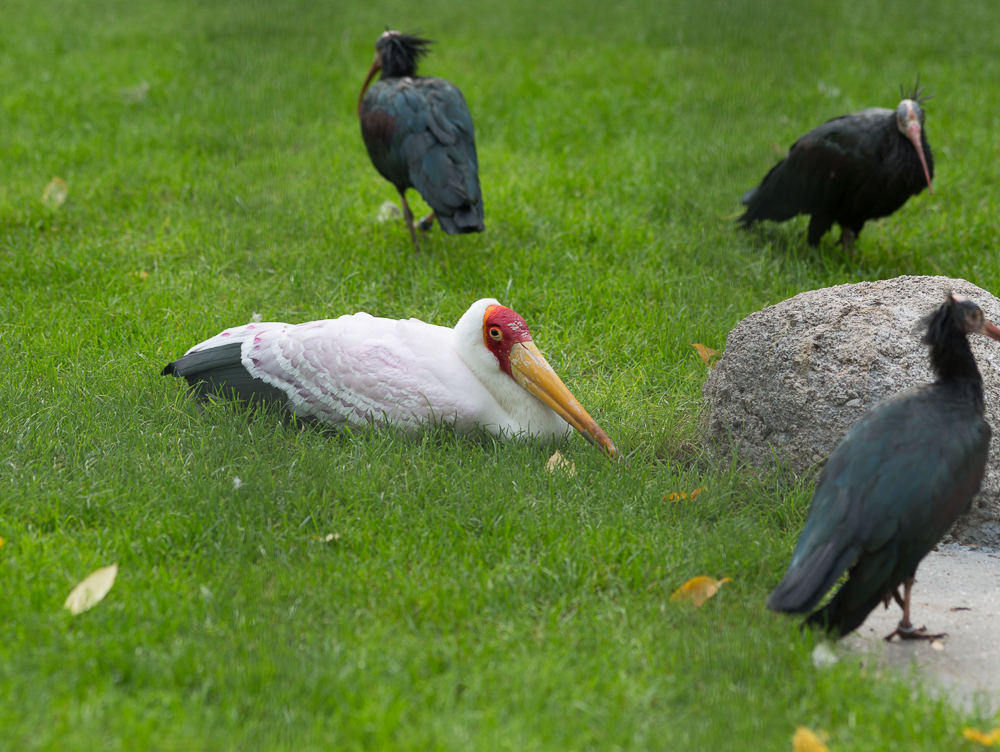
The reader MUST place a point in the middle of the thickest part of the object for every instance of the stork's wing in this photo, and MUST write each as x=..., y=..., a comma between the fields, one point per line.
x=822, y=168
x=357, y=369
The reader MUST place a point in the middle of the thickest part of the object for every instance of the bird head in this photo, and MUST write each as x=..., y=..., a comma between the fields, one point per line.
x=969, y=317
x=396, y=54
x=910, y=122
x=506, y=345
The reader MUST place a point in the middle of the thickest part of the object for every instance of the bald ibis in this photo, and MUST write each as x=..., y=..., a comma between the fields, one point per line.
x=360, y=370
x=419, y=134
x=894, y=486
x=849, y=170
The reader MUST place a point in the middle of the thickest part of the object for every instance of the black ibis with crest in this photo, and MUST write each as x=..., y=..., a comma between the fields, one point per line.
x=894, y=486
x=851, y=169
x=419, y=134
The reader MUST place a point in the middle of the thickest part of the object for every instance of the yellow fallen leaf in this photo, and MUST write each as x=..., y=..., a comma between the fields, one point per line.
x=91, y=590
x=698, y=590
x=705, y=353
x=142, y=275
x=806, y=740
x=975, y=735
x=1, y=542
x=558, y=462
x=679, y=495
x=55, y=193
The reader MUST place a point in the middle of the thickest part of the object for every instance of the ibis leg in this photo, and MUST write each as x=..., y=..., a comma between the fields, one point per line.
x=905, y=630
x=427, y=222
x=408, y=216
x=847, y=238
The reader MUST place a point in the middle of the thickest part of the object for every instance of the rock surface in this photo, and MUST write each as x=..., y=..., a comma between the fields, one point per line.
x=797, y=375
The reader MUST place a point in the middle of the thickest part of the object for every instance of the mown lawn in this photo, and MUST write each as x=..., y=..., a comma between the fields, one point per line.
x=468, y=599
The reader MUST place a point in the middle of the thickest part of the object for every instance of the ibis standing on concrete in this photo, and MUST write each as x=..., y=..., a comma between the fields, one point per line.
x=894, y=486
x=849, y=170
x=419, y=134
x=359, y=370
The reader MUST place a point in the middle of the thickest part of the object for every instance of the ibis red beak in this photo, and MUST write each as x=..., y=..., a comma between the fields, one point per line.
x=913, y=132
x=376, y=67
x=530, y=369
x=991, y=330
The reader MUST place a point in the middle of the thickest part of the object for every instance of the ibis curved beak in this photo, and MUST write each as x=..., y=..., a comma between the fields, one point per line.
x=990, y=330
x=376, y=67
x=531, y=371
x=913, y=132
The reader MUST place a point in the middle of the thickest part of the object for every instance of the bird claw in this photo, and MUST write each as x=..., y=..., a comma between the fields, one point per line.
x=912, y=633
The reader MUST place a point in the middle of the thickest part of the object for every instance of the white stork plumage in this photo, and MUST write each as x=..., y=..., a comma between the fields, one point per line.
x=360, y=370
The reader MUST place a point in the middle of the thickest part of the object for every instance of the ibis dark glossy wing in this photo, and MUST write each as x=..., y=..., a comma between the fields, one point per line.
x=887, y=495
x=419, y=134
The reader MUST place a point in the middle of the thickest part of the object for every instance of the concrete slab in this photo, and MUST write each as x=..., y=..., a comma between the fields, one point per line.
x=958, y=592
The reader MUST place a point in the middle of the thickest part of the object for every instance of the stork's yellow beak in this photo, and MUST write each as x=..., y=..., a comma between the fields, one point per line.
x=531, y=371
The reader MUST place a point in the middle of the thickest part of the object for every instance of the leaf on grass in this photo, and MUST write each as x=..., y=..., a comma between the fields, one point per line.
x=92, y=590
x=558, y=462
x=705, y=353
x=142, y=275
x=975, y=735
x=55, y=193
x=680, y=495
x=697, y=590
x=807, y=740
x=1, y=542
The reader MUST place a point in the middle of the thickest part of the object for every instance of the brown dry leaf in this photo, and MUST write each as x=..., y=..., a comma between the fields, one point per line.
x=91, y=590
x=975, y=735
x=705, y=353
x=698, y=590
x=55, y=193
x=558, y=462
x=807, y=740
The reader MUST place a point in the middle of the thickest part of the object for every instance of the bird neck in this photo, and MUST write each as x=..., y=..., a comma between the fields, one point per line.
x=953, y=362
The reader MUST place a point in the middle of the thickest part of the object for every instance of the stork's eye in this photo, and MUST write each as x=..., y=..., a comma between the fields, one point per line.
x=495, y=333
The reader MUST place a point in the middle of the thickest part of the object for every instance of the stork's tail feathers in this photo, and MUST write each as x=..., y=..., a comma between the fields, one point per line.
x=219, y=372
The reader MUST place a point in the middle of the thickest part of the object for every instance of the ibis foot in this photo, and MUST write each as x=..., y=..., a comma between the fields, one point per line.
x=909, y=632
x=427, y=223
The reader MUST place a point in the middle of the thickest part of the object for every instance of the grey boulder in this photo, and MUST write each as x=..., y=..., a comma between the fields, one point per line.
x=796, y=376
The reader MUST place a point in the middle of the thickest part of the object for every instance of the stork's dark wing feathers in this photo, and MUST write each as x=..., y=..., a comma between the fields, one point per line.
x=219, y=371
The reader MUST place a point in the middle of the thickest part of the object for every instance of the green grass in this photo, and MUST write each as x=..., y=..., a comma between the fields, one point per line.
x=472, y=600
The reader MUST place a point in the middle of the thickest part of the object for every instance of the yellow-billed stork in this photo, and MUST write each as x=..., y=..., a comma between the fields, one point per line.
x=361, y=370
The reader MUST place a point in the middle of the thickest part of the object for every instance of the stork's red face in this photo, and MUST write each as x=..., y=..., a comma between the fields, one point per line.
x=506, y=335
x=502, y=329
